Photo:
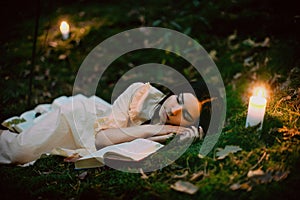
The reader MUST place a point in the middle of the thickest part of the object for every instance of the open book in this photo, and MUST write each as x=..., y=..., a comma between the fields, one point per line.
x=135, y=150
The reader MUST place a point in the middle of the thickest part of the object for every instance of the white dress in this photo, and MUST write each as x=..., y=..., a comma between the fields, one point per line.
x=71, y=127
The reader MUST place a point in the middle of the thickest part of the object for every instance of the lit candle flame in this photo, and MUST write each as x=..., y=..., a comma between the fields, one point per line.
x=64, y=27
x=260, y=91
x=65, y=30
x=256, y=107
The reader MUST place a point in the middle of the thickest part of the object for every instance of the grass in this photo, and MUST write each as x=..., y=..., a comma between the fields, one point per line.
x=274, y=149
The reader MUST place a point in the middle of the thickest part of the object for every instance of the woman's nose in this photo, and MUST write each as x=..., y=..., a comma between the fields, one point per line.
x=176, y=109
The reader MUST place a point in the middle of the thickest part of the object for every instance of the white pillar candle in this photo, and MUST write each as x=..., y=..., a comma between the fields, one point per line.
x=256, y=108
x=65, y=30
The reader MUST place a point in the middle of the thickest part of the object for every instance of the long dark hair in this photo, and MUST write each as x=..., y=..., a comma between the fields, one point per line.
x=200, y=89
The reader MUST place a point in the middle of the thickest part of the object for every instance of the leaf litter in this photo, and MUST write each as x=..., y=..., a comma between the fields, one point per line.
x=185, y=186
x=222, y=153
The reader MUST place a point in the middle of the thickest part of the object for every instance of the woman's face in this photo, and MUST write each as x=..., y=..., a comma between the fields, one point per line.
x=181, y=110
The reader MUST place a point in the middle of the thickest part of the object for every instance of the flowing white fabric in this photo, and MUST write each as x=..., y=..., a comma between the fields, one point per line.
x=72, y=122
x=66, y=129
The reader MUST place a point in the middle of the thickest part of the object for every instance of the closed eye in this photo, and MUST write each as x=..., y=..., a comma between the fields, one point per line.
x=187, y=116
x=180, y=99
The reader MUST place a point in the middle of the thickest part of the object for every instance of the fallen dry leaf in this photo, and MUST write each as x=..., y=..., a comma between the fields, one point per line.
x=259, y=176
x=72, y=158
x=184, y=186
x=251, y=43
x=62, y=57
x=265, y=43
x=200, y=156
x=270, y=176
x=83, y=175
x=235, y=186
x=266, y=178
x=237, y=75
x=246, y=186
x=222, y=153
x=288, y=132
x=257, y=172
x=243, y=186
x=278, y=176
x=144, y=176
x=248, y=62
x=53, y=44
x=230, y=40
x=181, y=175
x=213, y=55
x=48, y=172
x=197, y=175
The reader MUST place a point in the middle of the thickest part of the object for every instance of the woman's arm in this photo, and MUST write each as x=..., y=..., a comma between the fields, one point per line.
x=192, y=132
x=118, y=135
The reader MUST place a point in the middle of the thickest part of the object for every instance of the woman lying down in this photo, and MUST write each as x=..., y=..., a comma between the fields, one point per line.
x=84, y=125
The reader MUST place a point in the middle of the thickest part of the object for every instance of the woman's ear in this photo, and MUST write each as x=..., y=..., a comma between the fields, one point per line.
x=201, y=103
x=208, y=100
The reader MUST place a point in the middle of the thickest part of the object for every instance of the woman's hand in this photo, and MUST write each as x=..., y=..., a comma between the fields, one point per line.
x=119, y=135
x=184, y=133
x=160, y=130
x=161, y=138
x=192, y=132
x=158, y=133
x=167, y=129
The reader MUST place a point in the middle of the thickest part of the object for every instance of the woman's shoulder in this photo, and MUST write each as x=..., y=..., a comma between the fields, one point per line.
x=143, y=103
x=139, y=87
x=145, y=88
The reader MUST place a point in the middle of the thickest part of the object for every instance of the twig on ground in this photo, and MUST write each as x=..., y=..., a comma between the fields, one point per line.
x=260, y=160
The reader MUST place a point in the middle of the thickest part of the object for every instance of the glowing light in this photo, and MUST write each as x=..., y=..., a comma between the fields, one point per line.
x=260, y=91
x=256, y=108
x=65, y=30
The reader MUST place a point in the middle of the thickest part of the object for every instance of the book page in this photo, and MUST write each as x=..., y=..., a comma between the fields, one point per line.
x=131, y=151
x=135, y=150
